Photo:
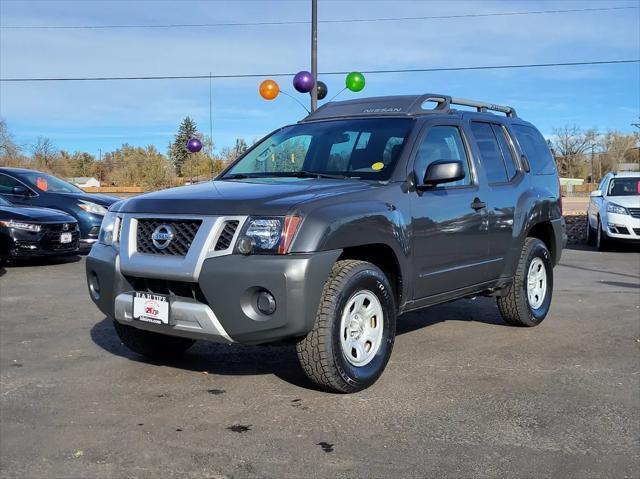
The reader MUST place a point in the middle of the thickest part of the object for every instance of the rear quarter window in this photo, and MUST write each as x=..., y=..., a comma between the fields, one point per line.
x=535, y=149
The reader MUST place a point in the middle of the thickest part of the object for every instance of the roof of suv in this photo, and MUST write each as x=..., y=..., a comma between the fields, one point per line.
x=402, y=105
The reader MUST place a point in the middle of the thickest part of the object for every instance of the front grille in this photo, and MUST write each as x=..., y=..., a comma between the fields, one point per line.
x=229, y=230
x=51, y=237
x=635, y=212
x=183, y=289
x=185, y=232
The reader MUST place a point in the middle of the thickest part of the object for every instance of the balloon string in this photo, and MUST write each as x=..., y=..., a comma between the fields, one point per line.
x=334, y=96
x=294, y=98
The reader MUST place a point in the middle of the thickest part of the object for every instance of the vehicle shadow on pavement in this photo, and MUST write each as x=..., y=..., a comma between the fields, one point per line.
x=44, y=261
x=280, y=359
x=211, y=358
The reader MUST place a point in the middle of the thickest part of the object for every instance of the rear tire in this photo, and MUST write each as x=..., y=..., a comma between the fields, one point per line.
x=352, y=339
x=152, y=345
x=527, y=300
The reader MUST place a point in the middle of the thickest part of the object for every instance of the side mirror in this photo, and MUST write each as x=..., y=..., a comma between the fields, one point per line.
x=443, y=172
x=20, y=191
x=596, y=194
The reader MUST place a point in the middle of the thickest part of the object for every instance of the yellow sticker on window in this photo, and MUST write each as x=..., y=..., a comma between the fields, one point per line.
x=377, y=166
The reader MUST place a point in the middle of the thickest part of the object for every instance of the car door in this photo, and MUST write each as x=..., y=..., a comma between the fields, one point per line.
x=596, y=202
x=504, y=177
x=450, y=239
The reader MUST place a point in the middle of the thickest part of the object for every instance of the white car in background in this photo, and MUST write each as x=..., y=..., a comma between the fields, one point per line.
x=614, y=210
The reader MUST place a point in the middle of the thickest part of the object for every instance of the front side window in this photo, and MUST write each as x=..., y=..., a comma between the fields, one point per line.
x=365, y=148
x=7, y=184
x=442, y=143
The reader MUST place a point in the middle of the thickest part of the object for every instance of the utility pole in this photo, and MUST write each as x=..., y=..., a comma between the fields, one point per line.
x=314, y=53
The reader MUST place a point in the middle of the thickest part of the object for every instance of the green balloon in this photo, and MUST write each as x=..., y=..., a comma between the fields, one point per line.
x=355, y=81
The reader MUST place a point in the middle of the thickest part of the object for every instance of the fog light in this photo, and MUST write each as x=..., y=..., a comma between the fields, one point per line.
x=94, y=285
x=245, y=245
x=266, y=303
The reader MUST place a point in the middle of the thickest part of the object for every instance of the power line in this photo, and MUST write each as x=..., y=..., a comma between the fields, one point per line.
x=272, y=75
x=306, y=22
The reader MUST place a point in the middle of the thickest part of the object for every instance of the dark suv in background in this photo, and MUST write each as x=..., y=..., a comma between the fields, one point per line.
x=25, y=187
x=325, y=231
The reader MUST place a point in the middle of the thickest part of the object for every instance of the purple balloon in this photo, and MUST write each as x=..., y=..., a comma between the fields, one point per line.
x=194, y=145
x=303, y=82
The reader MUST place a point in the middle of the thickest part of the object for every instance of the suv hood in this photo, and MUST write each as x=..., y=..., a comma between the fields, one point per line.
x=102, y=200
x=38, y=215
x=626, y=201
x=254, y=196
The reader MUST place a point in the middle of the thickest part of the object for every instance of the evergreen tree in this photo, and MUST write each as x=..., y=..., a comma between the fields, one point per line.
x=178, y=152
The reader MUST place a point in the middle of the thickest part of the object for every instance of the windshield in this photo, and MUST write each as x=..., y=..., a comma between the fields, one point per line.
x=49, y=184
x=624, y=186
x=367, y=148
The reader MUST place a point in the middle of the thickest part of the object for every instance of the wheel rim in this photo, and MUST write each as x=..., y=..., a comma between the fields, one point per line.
x=361, y=328
x=536, y=283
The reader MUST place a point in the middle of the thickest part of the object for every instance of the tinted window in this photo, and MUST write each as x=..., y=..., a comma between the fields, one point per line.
x=45, y=182
x=7, y=183
x=624, y=187
x=490, y=152
x=442, y=143
x=362, y=148
x=535, y=148
x=507, y=152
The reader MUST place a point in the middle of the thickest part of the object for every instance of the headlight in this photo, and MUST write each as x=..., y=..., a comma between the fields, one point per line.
x=268, y=235
x=107, y=229
x=19, y=225
x=93, y=208
x=617, y=209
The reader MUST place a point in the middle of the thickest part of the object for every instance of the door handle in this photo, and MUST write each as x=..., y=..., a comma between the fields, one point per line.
x=477, y=204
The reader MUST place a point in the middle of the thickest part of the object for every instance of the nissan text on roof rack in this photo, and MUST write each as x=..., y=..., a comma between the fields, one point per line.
x=326, y=231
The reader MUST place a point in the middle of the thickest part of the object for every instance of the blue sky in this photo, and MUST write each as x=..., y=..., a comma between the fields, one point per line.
x=92, y=115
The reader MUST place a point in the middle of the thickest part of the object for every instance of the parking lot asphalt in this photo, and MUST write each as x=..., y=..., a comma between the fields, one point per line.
x=464, y=395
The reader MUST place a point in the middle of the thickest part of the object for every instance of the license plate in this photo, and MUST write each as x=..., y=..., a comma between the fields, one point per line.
x=65, y=238
x=152, y=308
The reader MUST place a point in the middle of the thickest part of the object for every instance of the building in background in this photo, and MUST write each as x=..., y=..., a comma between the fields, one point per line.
x=84, y=182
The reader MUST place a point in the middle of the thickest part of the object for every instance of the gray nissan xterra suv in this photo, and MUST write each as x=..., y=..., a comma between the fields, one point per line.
x=326, y=230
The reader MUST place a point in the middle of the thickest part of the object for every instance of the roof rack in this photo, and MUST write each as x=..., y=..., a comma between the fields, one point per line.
x=409, y=105
x=445, y=101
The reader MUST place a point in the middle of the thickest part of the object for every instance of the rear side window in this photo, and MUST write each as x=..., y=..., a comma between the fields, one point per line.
x=507, y=152
x=490, y=152
x=536, y=150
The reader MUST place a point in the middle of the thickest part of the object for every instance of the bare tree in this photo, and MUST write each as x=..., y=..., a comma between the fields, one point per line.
x=569, y=145
x=44, y=153
x=9, y=150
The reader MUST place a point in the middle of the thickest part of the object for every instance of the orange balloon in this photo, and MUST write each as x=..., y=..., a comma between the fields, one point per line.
x=269, y=89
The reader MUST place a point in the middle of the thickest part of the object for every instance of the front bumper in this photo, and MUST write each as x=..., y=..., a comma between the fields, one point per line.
x=221, y=305
x=622, y=227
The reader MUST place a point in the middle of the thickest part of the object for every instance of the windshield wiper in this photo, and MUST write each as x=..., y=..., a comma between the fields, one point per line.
x=313, y=174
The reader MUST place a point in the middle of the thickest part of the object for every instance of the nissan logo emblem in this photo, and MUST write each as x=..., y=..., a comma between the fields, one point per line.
x=162, y=236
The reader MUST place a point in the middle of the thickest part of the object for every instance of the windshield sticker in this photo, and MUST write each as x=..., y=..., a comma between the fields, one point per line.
x=377, y=166
x=42, y=184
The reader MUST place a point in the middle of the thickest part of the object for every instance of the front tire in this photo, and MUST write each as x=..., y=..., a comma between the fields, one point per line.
x=352, y=339
x=527, y=300
x=602, y=240
x=591, y=234
x=151, y=345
